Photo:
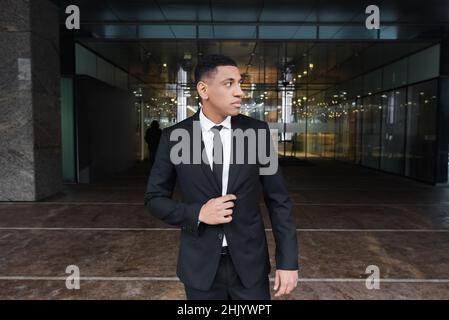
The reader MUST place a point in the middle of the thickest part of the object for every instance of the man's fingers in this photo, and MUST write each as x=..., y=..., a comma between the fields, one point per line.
x=225, y=219
x=228, y=197
x=282, y=290
x=286, y=288
x=290, y=288
x=228, y=204
x=288, y=280
x=276, y=281
x=227, y=212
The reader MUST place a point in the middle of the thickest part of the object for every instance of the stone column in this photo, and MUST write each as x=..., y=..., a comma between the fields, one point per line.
x=30, y=124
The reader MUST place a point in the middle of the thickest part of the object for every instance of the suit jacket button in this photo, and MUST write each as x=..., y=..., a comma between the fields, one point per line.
x=220, y=236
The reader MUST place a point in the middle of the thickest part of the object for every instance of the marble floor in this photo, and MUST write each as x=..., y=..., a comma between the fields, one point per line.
x=348, y=218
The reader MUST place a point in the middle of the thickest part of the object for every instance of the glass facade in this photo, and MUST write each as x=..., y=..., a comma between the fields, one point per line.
x=384, y=119
x=346, y=132
x=371, y=126
x=421, y=131
x=393, y=131
x=67, y=130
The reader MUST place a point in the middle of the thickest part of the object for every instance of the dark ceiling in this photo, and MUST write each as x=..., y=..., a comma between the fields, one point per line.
x=251, y=19
x=263, y=36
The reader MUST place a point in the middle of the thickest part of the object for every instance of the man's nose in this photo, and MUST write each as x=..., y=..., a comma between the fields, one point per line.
x=238, y=92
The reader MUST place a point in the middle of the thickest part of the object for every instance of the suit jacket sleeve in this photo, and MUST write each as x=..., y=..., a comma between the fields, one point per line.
x=158, y=196
x=280, y=209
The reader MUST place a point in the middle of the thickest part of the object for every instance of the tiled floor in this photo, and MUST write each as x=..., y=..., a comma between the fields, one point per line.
x=347, y=217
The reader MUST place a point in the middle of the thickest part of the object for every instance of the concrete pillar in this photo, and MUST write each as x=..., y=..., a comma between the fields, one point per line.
x=30, y=125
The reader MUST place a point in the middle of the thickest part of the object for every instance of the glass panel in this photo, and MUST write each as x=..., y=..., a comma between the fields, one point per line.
x=86, y=61
x=345, y=129
x=424, y=64
x=264, y=105
x=156, y=32
x=389, y=32
x=235, y=32
x=286, y=117
x=305, y=32
x=280, y=128
x=184, y=31
x=105, y=71
x=393, y=131
x=335, y=125
x=297, y=128
x=115, y=31
x=260, y=104
x=421, y=131
x=296, y=147
x=372, y=82
x=402, y=32
x=274, y=32
x=321, y=130
x=287, y=32
x=120, y=79
x=140, y=142
x=351, y=32
x=371, y=131
x=205, y=32
x=395, y=75
x=67, y=130
x=358, y=130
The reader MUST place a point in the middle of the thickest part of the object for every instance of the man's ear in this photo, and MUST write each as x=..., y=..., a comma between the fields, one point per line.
x=201, y=87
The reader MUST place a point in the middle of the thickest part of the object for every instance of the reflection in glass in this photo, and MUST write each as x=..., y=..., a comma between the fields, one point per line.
x=393, y=131
x=421, y=134
x=321, y=130
x=371, y=116
x=345, y=129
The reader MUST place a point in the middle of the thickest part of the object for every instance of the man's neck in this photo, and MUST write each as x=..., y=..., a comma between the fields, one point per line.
x=215, y=118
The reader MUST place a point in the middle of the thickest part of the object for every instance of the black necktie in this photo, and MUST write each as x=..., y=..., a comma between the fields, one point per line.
x=217, y=156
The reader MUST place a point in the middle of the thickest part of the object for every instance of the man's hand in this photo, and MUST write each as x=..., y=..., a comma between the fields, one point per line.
x=217, y=210
x=285, y=281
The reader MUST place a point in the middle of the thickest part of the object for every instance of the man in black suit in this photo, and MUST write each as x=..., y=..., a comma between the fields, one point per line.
x=223, y=250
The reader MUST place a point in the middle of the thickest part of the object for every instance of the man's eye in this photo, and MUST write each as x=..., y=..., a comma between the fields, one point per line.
x=228, y=84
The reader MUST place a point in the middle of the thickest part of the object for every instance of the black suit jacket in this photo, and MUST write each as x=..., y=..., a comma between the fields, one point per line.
x=200, y=245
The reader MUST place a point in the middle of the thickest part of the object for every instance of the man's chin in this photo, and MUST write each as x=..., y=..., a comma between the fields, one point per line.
x=235, y=111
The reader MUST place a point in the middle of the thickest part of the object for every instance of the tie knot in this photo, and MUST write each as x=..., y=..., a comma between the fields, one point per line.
x=218, y=128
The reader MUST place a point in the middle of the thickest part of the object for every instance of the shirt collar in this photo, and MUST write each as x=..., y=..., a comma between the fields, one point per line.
x=207, y=124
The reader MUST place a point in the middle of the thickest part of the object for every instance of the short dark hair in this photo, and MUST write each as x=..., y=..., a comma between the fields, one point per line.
x=210, y=63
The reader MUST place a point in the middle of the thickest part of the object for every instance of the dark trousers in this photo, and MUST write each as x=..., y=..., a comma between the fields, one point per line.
x=228, y=286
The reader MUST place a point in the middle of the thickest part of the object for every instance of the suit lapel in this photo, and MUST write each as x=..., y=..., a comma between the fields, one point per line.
x=207, y=171
x=233, y=167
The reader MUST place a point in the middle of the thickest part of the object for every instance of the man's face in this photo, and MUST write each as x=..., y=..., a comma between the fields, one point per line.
x=222, y=92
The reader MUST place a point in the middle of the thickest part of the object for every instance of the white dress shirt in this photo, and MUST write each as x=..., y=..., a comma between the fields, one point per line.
x=208, y=138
